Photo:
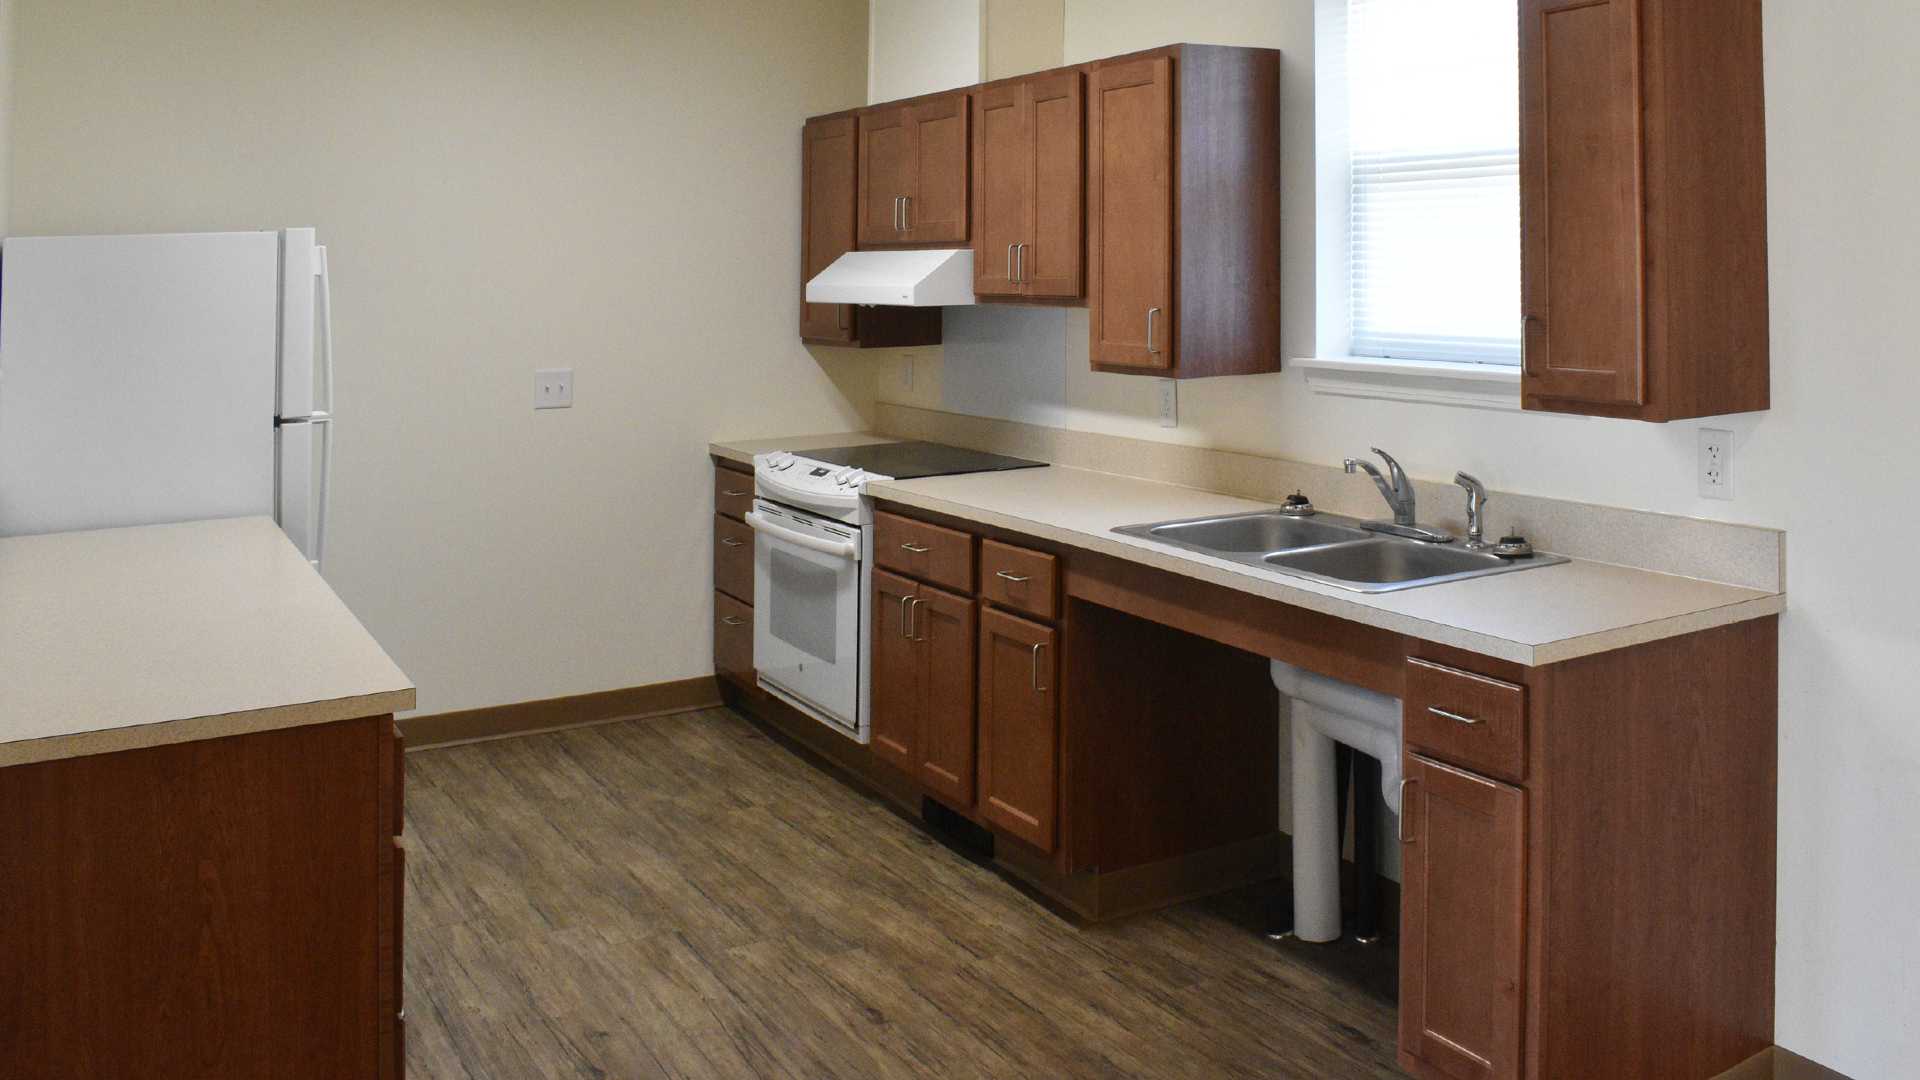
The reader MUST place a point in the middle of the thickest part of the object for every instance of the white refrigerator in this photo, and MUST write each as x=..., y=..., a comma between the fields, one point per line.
x=149, y=379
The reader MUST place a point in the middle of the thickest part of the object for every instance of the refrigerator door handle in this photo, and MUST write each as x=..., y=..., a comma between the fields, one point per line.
x=324, y=324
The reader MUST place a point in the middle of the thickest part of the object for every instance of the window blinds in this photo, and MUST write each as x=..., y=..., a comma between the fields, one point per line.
x=1434, y=214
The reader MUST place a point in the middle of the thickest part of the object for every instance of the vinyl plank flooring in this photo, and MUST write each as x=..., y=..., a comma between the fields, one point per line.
x=682, y=897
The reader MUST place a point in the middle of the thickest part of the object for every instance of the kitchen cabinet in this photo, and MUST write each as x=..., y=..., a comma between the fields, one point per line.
x=1019, y=726
x=829, y=155
x=912, y=173
x=733, y=558
x=922, y=670
x=220, y=907
x=1462, y=905
x=1028, y=183
x=1643, y=207
x=1183, y=212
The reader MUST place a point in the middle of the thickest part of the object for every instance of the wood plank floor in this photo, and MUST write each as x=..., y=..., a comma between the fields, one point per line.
x=683, y=896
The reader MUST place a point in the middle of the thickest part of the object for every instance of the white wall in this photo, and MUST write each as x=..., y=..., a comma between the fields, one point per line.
x=607, y=186
x=1833, y=463
x=922, y=46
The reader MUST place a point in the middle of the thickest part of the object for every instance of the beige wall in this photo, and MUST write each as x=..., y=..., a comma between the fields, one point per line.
x=502, y=186
x=921, y=46
x=1833, y=463
x=1019, y=36
x=6, y=106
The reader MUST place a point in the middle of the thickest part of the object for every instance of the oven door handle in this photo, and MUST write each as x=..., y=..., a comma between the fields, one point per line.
x=845, y=549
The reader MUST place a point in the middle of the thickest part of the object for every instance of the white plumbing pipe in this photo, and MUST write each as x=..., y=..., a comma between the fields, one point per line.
x=1325, y=711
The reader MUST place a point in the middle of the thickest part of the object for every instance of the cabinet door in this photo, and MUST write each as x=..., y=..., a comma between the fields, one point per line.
x=1130, y=206
x=937, y=200
x=827, y=157
x=1019, y=727
x=886, y=174
x=1055, y=250
x=944, y=626
x=1002, y=185
x=896, y=698
x=1583, y=275
x=1461, y=913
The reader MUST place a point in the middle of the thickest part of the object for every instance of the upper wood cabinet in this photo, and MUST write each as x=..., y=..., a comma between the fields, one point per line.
x=1028, y=180
x=913, y=173
x=829, y=155
x=1643, y=204
x=1183, y=212
x=1462, y=911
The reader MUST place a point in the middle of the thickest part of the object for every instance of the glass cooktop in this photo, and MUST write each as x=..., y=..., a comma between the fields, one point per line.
x=910, y=460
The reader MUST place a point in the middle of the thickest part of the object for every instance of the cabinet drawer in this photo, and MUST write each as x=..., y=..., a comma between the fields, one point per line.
x=1466, y=719
x=1020, y=579
x=732, y=493
x=733, y=558
x=732, y=638
x=931, y=553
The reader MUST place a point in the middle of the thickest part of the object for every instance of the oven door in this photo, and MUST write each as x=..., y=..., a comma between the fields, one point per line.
x=806, y=612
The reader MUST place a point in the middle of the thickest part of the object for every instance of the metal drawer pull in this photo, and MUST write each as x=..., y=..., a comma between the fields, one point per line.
x=735, y=494
x=732, y=620
x=1015, y=578
x=1020, y=262
x=1445, y=715
x=1406, y=809
x=731, y=542
x=1010, y=277
x=1151, y=312
x=915, y=611
x=1037, y=688
x=915, y=548
x=906, y=212
x=906, y=618
x=896, y=215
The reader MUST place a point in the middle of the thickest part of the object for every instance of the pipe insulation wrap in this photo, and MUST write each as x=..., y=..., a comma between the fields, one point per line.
x=1325, y=711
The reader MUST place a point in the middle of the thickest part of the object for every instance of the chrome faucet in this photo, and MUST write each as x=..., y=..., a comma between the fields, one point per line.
x=1398, y=491
x=1476, y=511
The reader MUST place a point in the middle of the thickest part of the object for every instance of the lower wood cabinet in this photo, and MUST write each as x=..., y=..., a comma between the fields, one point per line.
x=1019, y=727
x=923, y=662
x=732, y=639
x=1462, y=913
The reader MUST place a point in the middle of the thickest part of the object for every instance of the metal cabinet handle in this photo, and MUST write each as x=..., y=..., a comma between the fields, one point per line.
x=731, y=620
x=1035, y=656
x=915, y=548
x=1405, y=809
x=731, y=542
x=1010, y=277
x=1015, y=578
x=1020, y=262
x=734, y=494
x=1445, y=715
x=896, y=213
x=914, y=611
x=906, y=213
x=906, y=618
x=1151, y=312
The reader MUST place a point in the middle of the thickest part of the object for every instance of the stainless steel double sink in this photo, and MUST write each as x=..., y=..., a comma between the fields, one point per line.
x=1331, y=549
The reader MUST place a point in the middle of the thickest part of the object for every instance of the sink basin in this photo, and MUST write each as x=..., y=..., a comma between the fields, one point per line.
x=1258, y=533
x=1330, y=549
x=1385, y=565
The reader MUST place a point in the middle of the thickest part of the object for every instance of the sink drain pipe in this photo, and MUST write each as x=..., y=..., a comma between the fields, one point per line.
x=1326, y=711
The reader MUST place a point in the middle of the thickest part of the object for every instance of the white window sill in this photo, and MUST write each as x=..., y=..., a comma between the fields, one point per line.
x=1434, y=382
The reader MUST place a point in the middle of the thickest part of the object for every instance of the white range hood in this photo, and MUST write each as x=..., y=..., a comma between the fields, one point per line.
x=940, y=278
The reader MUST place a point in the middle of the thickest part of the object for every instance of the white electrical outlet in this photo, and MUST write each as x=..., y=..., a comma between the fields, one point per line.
x=1169, y=402
x=1716, y=464
x=553, y=388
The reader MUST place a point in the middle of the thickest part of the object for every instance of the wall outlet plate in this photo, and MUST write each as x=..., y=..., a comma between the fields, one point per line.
x=1716, y=464
x=1169, y=402
x=553, y=388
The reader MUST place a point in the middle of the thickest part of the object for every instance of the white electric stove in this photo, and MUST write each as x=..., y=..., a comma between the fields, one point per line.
x=812, y=560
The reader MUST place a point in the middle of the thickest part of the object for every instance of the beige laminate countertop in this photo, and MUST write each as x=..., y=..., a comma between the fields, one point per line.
x=126, y=638
x=1533, y=617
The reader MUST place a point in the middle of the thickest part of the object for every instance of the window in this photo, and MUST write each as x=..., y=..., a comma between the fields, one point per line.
x=1420, y=127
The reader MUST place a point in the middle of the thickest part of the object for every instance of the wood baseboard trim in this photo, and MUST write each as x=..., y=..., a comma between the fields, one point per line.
x=555, y=714
x=1774, y=1063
